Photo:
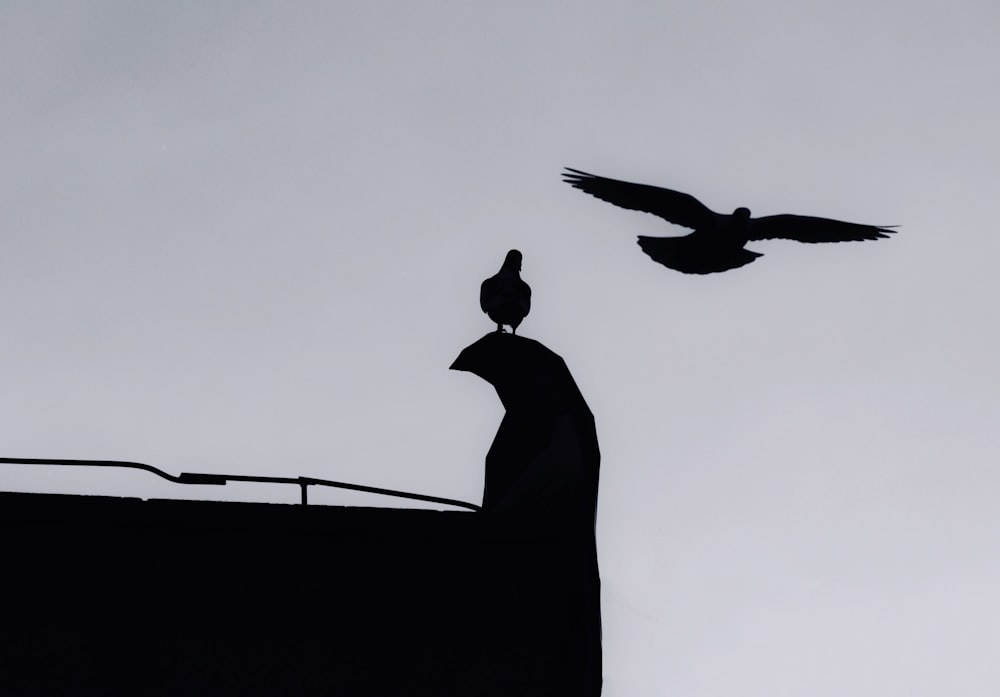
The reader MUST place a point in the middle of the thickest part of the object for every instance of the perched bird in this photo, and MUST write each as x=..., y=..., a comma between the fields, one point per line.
x=718, y=240
x=505, y=297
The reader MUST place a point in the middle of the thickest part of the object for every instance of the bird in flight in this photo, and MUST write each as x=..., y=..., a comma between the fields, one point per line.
x=505, y=298
x=718, y=241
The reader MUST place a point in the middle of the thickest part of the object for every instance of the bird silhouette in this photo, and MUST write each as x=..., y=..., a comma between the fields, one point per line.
x=505, y=297
x=718, y=241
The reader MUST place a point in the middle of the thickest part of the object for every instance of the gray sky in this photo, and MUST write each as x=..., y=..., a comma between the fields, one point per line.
x=248, y=237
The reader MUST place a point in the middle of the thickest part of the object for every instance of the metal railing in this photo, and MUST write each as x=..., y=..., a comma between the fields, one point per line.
x=222, y=479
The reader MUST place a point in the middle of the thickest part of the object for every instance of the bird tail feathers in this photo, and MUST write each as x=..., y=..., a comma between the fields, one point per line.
x=687, y=256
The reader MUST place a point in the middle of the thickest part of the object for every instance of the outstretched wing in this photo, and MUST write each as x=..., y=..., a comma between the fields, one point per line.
x=673, y=206
x=804, y=228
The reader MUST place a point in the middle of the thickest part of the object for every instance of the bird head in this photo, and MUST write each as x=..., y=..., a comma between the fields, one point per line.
x=743, y=213
x=512, y=262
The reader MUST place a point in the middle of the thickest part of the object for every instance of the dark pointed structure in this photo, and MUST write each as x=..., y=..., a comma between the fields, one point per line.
x=545, y=462
x=718, y=241
x=545, y=453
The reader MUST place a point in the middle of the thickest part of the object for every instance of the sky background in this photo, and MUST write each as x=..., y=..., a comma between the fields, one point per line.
x=247, y=237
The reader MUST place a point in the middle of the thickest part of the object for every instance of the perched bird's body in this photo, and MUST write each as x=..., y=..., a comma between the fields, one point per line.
x=718, y=241
x=505, y=298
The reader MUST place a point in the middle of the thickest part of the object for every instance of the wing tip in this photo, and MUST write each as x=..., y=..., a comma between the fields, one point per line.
x=576, y=176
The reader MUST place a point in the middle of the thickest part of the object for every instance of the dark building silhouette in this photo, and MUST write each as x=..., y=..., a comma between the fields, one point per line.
x=120, y=596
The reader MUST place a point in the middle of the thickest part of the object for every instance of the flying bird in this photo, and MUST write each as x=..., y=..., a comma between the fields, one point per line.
x=718, y=241
x=505, y=297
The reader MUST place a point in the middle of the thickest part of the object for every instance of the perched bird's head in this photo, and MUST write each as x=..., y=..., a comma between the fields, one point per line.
x=513, y=261
x=743, y=213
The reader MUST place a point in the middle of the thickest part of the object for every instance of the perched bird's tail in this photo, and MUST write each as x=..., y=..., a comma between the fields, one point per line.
x=690, y=256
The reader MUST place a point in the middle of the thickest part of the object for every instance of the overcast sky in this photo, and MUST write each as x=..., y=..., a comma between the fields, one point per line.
x=248, y=237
